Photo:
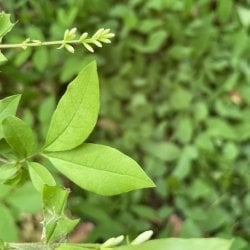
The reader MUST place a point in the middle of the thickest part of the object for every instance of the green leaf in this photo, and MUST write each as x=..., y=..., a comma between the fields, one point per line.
x=181, y=244
x=45, y=112
x=155, y=41
x=76, y=113
x=164, y=151
x=40, y=176
x=224, y=10
x=41, y=59
x=2, y=57
x=24, y=199
x=56, y=224
x=244, y=15
x=7, y=171
x=100, y=169
x=180, y=99
x=8, y=229
x=19, y=136
x=5, y=24
x=8, y=107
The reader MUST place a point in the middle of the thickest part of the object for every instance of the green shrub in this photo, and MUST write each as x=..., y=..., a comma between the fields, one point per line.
x=175, y=95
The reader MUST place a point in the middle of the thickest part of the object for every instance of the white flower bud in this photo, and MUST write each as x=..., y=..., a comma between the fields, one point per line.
x=69, y=48
x=105, y=40
x=114, y=241
x=142, y=237
x=106, y=31
x=97, y=43
x=98, y=33
x=88, y=47
x=109, y=35
x=83, y=36
x=72, y=31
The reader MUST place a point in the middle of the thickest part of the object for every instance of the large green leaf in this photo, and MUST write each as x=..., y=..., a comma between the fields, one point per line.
x=76, y=113
x=56, y=224
x=19, y=136
x=5, y=24
x=100, y=169
x=40, y=176
x=181, y=244
x=8, y=106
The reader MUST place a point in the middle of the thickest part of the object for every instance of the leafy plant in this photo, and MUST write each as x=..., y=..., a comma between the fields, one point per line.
x=97, y=168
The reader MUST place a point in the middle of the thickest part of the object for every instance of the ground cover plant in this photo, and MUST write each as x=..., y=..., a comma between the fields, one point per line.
x=97, y=168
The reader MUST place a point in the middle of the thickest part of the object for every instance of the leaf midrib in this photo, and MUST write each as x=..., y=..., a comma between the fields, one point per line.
x=70, y=121
x=101, y=170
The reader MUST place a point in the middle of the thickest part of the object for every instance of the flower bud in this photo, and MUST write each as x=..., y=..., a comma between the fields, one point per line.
x=114, y=241
x=142, y=237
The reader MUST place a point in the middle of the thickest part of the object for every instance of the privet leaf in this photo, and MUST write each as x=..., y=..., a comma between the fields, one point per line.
x=5, y=24
x=76, y=112
x=100, y=169
x=40, y=176
x=56, y=224
x=7, y=171
x=19, y=136
x=8, y=107
x=179, y=244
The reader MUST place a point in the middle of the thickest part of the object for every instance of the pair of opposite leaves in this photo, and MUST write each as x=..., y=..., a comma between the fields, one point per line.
x=97, y=168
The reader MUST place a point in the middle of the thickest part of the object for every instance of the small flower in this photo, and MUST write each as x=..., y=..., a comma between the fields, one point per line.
x=88, y=47
x=83, y=36
x=142, y=237
x=114, y=241
x=98, y=33
x=69, y=34
x=69, y=48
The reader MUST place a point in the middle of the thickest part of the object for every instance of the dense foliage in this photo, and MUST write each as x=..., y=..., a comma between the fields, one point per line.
x=175, y=96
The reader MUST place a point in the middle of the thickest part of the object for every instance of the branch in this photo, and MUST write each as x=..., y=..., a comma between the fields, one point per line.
x=101, y=36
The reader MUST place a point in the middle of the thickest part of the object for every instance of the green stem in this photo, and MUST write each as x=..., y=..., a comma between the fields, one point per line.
x=42, y=246
x=24, y=45
x=36, y=44
x=4, y=160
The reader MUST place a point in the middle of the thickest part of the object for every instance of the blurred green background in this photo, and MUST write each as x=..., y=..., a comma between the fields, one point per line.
x=175, y=96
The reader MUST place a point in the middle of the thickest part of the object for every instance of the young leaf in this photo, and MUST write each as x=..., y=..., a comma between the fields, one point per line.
x=5, y=24
x=19, y=178
x=40, y=176
x=19, y=136
x=100, y=169
x=7, y=171
x=177, y=244
x=76, y=112
x=55, y=225
x=8, y=107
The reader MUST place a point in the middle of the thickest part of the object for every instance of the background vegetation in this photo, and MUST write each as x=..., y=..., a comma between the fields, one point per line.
x=175, y=89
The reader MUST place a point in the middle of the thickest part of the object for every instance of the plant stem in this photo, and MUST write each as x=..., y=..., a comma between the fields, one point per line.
x=37, y=44
x=42, y=246
x=4, y=160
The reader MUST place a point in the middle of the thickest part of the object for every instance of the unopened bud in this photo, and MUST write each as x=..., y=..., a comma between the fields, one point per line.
x=114, y=241
x=142, y=237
